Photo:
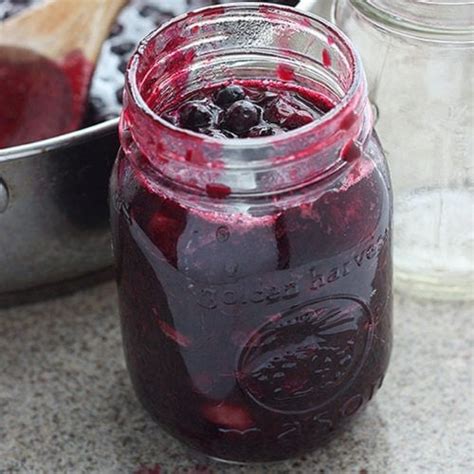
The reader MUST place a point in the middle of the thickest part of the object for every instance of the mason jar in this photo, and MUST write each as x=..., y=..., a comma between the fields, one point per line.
x=254, y=274
x=420, y=63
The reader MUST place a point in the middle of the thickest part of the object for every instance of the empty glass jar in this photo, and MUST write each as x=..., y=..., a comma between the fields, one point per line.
x=419, y=61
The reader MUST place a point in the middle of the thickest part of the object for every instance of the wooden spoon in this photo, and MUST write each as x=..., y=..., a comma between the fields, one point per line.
x=58, y=38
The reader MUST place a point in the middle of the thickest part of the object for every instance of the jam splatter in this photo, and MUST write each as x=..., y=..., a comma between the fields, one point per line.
x=326, y=56
x=350, y=152
x=285, y=72
x=218, y=191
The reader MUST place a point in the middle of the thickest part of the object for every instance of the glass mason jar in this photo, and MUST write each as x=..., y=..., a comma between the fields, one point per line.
x=254, y=274
x=420, y=63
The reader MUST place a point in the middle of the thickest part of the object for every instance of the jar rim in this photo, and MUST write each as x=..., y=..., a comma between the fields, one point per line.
x=348, y=97
x=417, y=21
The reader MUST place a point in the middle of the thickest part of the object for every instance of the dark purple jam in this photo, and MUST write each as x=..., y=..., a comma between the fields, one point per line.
x=254, y=335
x=239, y=110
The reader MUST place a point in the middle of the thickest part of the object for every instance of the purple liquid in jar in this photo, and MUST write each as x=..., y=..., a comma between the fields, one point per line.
x=255, y=291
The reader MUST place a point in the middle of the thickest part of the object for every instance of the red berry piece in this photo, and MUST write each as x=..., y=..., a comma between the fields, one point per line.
x=174, y=335
x=297, y=119
x=228, y=415
x=278, y=111
x=164, y=228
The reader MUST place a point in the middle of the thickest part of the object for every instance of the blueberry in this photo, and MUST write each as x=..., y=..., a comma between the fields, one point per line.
x=201, y=3
x=228, y=95
x=116, y=30
x=123, y=65
x=149, y=10
x=156, y=14
x=124, y=48
x=241, y=116
x=196, y=115
x=97, y=102
x=119, y=95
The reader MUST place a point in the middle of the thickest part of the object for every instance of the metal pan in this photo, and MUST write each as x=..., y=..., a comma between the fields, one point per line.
x=53, y=207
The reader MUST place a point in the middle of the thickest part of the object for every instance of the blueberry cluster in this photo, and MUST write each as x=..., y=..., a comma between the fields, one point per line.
x=235, y=111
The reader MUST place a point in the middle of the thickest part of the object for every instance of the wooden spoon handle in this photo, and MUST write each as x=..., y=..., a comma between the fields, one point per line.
x=58, y=27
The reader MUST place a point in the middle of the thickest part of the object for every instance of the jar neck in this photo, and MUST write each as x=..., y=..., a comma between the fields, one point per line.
x=245, y=42
x=446, y=20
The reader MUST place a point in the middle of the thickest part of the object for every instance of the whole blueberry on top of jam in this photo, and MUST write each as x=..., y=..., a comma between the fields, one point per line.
x=245, y=110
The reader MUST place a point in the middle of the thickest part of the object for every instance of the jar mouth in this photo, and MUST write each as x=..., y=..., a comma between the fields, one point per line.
x=351, y=95
x=429, y=20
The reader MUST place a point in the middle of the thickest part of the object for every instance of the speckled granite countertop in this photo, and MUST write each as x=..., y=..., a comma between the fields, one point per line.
x=66, y=404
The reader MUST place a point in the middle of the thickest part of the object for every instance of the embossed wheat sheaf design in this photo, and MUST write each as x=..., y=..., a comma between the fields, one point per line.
x=309, y=357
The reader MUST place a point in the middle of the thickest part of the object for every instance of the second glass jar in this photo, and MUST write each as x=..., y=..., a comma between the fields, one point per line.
x=254, y=274
x=419, y=57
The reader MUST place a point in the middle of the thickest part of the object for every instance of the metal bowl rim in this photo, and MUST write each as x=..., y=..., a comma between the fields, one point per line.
x=64, y=141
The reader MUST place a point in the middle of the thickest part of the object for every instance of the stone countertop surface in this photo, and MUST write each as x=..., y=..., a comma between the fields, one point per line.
x=67, y=406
